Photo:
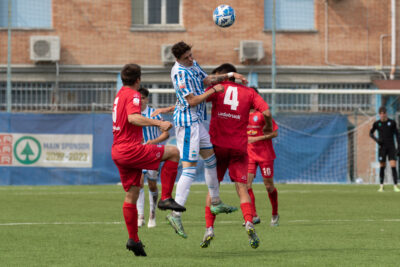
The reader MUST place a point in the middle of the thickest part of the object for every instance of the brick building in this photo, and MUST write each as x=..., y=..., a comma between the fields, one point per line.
x=317, y=41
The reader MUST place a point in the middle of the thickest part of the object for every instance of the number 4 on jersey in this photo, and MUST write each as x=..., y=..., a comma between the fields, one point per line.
x=231, y=97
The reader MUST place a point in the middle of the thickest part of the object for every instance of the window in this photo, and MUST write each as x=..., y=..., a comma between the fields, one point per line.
x=156, y=14
x=27, y=14
x=291, y=15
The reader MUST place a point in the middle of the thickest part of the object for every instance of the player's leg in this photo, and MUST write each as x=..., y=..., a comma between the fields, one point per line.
x=168, y=177
x=382, y=164
x=222, y=166
x=267, y=171
x=187, y=140
x=247, y=211
x=392, y=161
x=238, y=173
x=210, y=173
x=251, y=173
x=153, y=196
x=130, y=179
x=140, y=202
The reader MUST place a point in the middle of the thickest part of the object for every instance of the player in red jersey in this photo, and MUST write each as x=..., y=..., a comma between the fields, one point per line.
x=228, y=125
x=131, y=156
x=261, y=153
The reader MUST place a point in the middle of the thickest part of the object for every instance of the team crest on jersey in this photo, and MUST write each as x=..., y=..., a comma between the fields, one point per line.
x=158, y=155
x=181, y=85
x=389, y=123
x=255, y=118
x=136, y=101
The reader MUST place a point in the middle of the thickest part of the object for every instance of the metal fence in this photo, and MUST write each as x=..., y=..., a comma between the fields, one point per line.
x=99, y=97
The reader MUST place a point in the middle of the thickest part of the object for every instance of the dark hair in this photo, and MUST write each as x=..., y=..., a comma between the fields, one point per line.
x=130, y=73
x=180, y=48
x=144, y=91
x=255, y=89
x=225, y=68
x=382, y=109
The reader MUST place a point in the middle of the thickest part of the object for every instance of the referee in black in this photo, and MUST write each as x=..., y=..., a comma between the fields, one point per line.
x=387, y=129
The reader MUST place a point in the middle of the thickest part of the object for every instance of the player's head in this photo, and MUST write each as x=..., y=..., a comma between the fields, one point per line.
x=183, y=53
x=225, y=68
x=382, y=113
x=130, y=74
x=144, y=92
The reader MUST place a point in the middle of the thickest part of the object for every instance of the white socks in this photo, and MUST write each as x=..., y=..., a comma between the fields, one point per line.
x=153, y=196
x=140, y=202
x=210, y=173
x=183, y=186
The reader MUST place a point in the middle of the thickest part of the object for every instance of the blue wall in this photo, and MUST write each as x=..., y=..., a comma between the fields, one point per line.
x=309, y=148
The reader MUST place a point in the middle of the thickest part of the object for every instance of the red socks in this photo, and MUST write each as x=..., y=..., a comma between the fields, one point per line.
x=130, y=214
x=247, y=212
x=168, y=177
x=273, y=198
x=210, y=218
x=253, y=201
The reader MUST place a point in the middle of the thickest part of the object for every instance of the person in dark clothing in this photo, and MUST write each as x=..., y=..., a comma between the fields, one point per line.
x=387, y=129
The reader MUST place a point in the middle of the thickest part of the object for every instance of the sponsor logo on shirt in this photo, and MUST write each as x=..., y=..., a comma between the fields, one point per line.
x=229, y=115
x=136, y=101
x=251, y=132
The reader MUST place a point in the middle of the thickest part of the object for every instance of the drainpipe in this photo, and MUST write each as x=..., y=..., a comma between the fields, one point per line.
x=393, y=61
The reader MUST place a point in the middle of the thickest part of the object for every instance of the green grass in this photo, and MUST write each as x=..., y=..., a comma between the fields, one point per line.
x=321, y=225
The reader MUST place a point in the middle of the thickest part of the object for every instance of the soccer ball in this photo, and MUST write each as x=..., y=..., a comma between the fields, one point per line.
x=224, y=16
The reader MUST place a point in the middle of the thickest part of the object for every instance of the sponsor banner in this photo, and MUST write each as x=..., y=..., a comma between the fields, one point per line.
x=46, y=150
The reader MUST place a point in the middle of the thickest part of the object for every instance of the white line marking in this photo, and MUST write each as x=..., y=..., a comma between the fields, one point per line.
x=189, y=222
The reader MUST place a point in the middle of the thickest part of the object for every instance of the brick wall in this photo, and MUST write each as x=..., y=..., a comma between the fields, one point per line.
x=100, y=34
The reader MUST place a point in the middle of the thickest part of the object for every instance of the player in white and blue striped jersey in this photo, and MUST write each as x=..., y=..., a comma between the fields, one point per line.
x=151, y=135
x=192, y=137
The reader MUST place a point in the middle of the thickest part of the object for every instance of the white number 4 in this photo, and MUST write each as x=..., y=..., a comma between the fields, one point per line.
x=231, y=97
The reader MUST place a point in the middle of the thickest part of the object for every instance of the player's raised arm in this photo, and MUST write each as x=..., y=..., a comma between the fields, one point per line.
x=217, y=78
x=140, y=120
x=162, y=111
x=194, y=100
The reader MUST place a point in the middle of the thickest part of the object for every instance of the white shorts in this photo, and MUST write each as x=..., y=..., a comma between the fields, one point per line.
x=150, y=174
x=190, y=140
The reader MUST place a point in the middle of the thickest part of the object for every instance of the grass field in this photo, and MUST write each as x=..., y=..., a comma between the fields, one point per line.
x=321, y=225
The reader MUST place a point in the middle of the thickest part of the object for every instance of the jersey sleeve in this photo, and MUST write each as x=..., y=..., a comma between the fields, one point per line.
x=203, y=74
x=259, y=103
x=274, y=126
x=134, y=104
x=182, y=83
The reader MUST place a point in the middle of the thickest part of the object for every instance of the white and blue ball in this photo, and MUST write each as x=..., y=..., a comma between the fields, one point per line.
x=224, y=16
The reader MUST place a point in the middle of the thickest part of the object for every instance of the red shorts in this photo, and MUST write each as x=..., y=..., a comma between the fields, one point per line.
x=235, y=161
x=267, y=168
x=131, y=160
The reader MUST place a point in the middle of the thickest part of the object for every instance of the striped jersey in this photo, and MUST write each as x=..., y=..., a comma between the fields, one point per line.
x=150, y=132
x=187, y=80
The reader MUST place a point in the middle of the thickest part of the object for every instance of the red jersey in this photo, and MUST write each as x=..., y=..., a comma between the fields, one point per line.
x=127, y=101
x=263, y=150
x=230, y=114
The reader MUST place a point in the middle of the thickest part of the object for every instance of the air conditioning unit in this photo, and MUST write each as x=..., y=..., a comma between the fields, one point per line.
x=166, y=54
x=45, y=48
x=251, y=50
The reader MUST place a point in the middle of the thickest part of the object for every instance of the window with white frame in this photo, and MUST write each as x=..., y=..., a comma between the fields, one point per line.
x=27, y=14
x=156, y=13
x=291, y=15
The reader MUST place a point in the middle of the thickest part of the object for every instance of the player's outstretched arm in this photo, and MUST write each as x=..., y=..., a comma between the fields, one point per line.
x=139, y=120
x=268, y=136
x=163, y=136
x=194, y=100
x=217, y=78
x=162, y=111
